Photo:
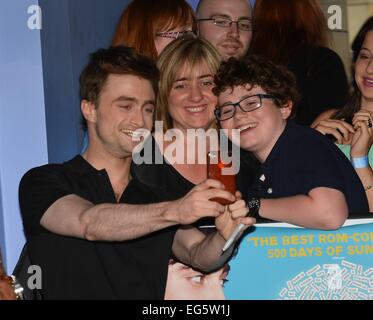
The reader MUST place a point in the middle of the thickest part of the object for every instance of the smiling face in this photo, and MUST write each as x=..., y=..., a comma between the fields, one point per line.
x=191, y=102
x=126, y=103
x=230, y=42
x=364, y=70
x=184, y=283
x=259, y=129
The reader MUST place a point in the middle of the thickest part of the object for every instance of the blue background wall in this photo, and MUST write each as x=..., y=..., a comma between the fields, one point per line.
x=71, y=30
x=22, y=117
x=39, y=98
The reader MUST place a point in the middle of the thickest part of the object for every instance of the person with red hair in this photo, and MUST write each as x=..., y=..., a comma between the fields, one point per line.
x=149, y=26
x=294, y=33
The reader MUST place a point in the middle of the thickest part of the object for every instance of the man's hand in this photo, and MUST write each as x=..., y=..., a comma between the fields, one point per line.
x=196, y=204
x=233, y=215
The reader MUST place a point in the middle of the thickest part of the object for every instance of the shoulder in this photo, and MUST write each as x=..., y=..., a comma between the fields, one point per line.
x=307, y=139
x=44, y=176
x=42, y=172
x=314, y=53
x=54, y=169
x=314, y=58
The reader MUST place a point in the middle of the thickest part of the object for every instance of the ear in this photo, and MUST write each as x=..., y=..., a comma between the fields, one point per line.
x=286, y=110
x=89, y=111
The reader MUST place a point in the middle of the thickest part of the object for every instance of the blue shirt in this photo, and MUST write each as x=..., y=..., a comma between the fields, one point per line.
x=303, y=159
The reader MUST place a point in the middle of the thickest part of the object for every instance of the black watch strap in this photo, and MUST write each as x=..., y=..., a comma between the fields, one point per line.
x=254, y=205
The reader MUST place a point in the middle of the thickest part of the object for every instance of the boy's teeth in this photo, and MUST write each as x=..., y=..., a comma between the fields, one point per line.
x=247, y=127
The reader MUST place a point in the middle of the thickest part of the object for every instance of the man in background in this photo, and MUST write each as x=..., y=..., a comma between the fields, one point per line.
x=227, y=25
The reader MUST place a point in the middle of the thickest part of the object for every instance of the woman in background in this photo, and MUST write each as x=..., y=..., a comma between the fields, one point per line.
x=351, y=127
x=295, y=34
x=149, y=26
x=185, y=102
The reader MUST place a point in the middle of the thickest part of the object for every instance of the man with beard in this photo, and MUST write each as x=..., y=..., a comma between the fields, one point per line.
x=227, y=25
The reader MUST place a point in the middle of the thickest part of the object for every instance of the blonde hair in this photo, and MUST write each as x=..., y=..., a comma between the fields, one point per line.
x=188, y=50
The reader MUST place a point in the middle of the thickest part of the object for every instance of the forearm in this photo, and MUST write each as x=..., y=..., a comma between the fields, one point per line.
x=207, y=256
x=366, y=177
x=304, y=211
x=120, y=222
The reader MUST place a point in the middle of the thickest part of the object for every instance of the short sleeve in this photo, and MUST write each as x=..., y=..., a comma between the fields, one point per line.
x=320, y=165
x=39, y=189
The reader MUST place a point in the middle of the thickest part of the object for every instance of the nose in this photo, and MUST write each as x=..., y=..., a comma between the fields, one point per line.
x=195, y=93
x=137, y=119
x=370, y=66
x=233, y=29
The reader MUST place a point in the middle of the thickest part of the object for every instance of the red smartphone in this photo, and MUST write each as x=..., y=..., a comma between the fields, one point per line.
x=215, y=165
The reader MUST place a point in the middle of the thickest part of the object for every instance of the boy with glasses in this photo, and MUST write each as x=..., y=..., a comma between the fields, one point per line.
x=227, y=25
x=303, y=178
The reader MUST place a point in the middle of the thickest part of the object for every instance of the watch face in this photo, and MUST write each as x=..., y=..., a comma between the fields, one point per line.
x=254, y=205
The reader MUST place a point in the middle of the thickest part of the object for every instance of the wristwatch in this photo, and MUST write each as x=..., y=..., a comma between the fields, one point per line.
x=254, y=205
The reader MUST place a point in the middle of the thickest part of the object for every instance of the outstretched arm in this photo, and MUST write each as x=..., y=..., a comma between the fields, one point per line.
x=77, y=217
x=323, y=208
x=194, y=248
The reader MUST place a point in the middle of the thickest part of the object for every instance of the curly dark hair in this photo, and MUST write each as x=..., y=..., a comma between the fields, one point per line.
x=255, y=71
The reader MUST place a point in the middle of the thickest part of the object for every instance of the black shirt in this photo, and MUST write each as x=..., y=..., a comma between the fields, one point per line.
x=322, y=82
x=79, y=269
x=169, y=183
x=303, y=159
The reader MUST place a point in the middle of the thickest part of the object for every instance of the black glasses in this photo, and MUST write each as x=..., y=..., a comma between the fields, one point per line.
x=243, y=24
x=247, y=104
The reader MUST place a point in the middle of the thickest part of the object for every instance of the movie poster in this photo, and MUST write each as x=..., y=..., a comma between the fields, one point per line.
x=282, y=262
